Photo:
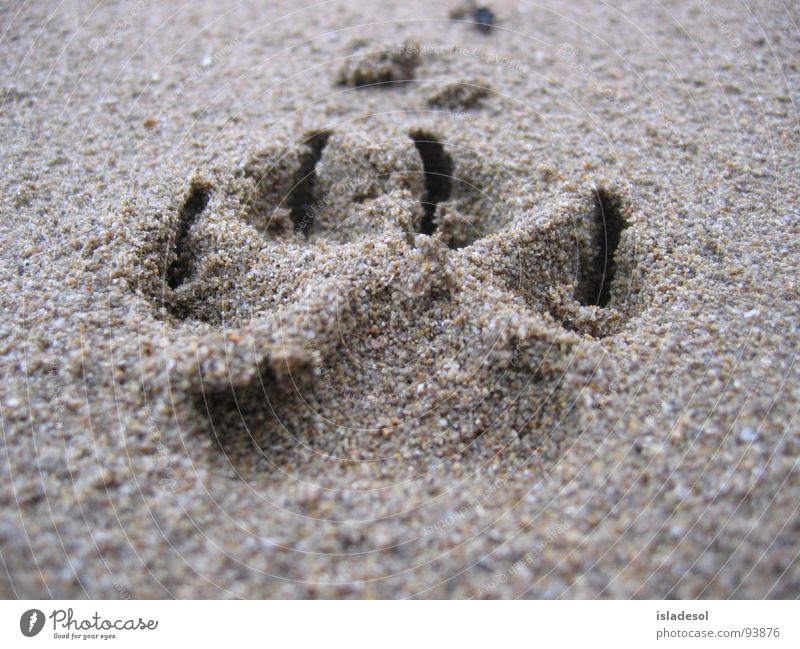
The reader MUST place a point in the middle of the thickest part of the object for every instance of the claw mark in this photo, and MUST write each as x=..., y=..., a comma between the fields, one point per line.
x=596, y=274
x=301, y=197
x=438, y=169
x=195, y=203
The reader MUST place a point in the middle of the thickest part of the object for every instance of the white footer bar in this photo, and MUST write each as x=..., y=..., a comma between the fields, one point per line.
x=389, y=625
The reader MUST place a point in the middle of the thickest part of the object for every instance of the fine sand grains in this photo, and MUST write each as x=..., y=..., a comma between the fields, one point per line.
x=399, y=300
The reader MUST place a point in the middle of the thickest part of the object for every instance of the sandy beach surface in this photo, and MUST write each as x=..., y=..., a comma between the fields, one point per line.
x=399, y=299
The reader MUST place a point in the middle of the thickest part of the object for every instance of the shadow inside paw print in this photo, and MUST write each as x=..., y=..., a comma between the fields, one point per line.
x=596, y=270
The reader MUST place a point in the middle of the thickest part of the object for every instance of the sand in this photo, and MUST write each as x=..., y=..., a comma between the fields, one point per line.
x=368, y=300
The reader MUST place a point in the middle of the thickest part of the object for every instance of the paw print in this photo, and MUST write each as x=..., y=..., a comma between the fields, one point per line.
x=323, y=274
x=342, y=189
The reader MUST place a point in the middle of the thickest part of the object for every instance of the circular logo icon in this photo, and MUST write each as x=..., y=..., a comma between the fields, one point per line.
x=31, y=622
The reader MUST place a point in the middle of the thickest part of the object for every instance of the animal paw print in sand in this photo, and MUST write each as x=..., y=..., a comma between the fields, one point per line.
x=362, y=289
x=337, y=188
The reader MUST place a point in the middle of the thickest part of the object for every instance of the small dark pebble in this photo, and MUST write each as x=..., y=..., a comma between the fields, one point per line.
x=484, y=18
